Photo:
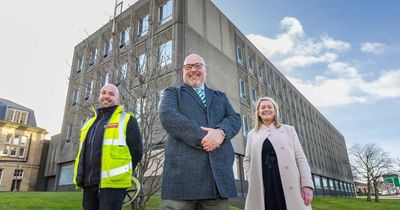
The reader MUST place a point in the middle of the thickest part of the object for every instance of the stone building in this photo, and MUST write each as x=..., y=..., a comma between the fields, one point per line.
x=22, y=144
x=161, y=33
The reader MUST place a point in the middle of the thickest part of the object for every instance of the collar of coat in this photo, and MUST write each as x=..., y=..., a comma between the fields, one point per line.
x=208, y=91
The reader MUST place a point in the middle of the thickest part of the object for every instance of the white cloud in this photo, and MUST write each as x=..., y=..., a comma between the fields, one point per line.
x=323, y=92
x=272, y=47
x=330, y=43
x=305, y=60
x=387, y=86
x=293, y=26
x=340, y=83
x=293, y=49
x=343, y=70
x=373, y=47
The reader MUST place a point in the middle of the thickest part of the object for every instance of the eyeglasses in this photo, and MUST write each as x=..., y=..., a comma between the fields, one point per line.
x=188, y=67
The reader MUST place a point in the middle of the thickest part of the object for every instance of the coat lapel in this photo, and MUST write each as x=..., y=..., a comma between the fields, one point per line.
x=196, y=97
x=209, y=96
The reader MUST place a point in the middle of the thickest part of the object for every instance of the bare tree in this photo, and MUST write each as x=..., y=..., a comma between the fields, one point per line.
x=141, y=70
x=369, y=162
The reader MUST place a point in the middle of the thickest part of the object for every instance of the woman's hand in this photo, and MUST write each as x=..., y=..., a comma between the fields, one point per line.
x=307, y=195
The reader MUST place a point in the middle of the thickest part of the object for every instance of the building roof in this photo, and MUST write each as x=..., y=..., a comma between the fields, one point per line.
x=5, y=104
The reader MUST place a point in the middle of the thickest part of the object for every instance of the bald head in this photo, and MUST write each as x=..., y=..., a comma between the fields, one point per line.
x=192, y=57
x=109, y=96
x=194, y=71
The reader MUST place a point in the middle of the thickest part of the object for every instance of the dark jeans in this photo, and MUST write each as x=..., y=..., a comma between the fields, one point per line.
x=102, y=199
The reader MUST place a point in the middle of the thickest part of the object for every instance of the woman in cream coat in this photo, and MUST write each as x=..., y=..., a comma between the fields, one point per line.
x=294, y=171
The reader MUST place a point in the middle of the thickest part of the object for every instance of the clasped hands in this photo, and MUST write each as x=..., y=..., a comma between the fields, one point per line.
x=213, y=139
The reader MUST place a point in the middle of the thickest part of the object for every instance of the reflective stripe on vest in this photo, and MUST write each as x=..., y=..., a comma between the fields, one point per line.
x=116, y=171
x=115, y=160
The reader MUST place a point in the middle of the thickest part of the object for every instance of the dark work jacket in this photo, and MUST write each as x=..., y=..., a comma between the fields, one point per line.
x=92, y=148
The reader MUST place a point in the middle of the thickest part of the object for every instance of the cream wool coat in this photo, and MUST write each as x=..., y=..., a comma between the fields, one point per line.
x=293, y=166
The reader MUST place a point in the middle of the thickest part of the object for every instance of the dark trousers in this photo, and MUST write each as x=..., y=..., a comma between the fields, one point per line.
x=102, y=199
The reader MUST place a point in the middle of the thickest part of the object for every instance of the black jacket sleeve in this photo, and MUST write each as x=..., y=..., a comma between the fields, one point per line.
x=134, y=141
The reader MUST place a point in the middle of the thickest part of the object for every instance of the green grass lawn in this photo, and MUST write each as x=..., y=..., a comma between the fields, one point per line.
x=72, y=200
x=354, y=204
x=53, y=200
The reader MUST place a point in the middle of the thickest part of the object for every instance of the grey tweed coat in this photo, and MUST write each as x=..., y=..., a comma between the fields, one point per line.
x=190, y=173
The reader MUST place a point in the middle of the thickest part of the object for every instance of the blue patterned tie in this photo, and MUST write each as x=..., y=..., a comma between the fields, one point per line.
x=201, y=94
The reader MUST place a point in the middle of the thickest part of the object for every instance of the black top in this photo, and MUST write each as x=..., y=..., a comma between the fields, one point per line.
x=93, y=143
x=274, y=197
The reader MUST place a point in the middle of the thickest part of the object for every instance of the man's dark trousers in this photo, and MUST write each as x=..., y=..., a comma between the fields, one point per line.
x=102, y=199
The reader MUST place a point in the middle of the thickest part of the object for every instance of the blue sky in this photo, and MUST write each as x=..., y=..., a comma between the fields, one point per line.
x=342, y=55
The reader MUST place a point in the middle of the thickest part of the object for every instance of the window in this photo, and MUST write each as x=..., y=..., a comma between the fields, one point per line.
x=9, y=138
x=236, y=168
x=108, y=47
x=239, y=55
x=245, y=125
x=18, y=173
x=140, y=107
x=16, y=139
x=1, y=174
x=317, y=182
x=165, y=54
x=242, y=89
x=121, y=74
x=331, y=184
x=143, y=26
x=89, y=90
x=21, y=152
x=124, y=37
x=66, y=174
x=253, y=96
x=325, y=183
x=105, y=79
x=6, y=150
x=13, y=151
x=84, y=120
x=79, y=65
x=10, y=114
x=75, y=97
x=142, y=64
x=93, y=56
x=165, y=12
x=70, y=130
x=260, y=76
x=17, y=116
x=250, y=65
x=23, y=140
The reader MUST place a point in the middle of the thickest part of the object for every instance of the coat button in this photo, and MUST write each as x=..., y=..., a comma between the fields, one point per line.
x=290, y=188
x=282, y=148
x=286, y=167
x=281, y=131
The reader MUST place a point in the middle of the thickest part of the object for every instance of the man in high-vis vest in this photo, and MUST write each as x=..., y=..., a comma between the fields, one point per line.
x=109, y=150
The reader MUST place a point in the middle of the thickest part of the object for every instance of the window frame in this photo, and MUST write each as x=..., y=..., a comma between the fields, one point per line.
x=108, y=47
x=164, y=19
x=162, y=50
x=242, y=89
x=143, y=25
x=89, y=91
x=245, y=125
x=70, y=132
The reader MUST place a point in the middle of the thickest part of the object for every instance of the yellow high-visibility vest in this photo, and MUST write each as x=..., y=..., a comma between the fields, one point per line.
x=116, y=160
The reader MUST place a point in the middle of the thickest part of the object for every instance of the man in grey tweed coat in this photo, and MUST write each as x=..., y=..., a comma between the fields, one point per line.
x=200, y=122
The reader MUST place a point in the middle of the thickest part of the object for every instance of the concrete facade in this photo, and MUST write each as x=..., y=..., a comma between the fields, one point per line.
x=235, y=66
x=22, y=145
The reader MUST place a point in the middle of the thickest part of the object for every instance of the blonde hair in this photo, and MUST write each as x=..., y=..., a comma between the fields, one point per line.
x=258, y=119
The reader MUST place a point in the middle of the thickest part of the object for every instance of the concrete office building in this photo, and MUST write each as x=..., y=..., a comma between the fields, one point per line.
x=22, y=146
x=174, y=29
